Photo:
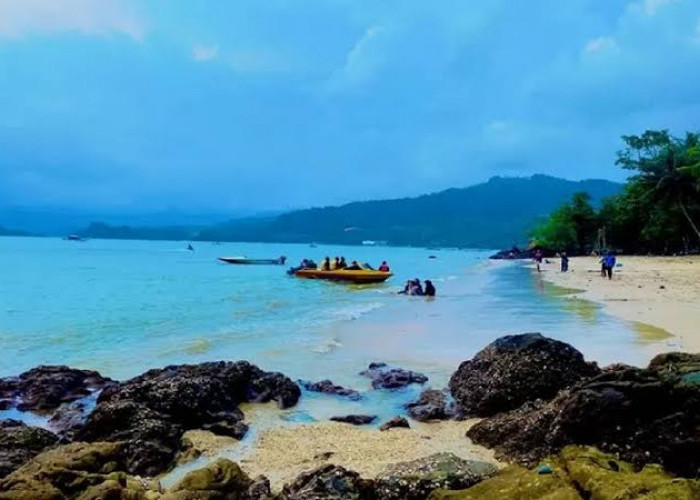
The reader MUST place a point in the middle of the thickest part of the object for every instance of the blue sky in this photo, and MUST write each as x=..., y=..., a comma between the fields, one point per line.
x=270, y=104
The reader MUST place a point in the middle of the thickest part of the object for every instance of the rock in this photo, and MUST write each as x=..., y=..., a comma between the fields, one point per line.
x=47, y=387
x=222, y=479
x=328, y=387
x=355, y=419
x=645, y=415
x=384, y=377
x=260, y=489
x=580, y=474
x=513, y=370
x=67, y=471
x=417, y=479
x=430, y=405
x=152, y=411
x=512, y=254
x=514, y=483
x=69, y=418
x=328, y=482
x=394, y=423
x=19, y=443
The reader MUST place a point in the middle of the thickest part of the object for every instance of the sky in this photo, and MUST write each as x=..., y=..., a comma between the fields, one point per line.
x=148, y=105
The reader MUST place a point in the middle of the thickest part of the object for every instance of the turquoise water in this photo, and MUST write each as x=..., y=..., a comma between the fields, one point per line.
x=122, y=307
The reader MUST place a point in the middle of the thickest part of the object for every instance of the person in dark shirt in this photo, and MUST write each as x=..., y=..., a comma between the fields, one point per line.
x=326, y=264
x=429, y=290
x=564, y=262
x=355, y=266
x=342, y=264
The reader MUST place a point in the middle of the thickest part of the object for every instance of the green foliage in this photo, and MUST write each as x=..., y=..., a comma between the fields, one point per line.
x=572, y=227
x=656, y=211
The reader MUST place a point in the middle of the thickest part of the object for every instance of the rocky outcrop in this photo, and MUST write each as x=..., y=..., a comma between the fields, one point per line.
x=221, y=480
x=384, y=377
x=19, y=443
x=152, y=411
x=355, y=419
x=645, y=415
x=579, y=474
x=513, y=370
x=329, y=482
x=395, y=423
x=47, y=387
x=417, y=479
x=328, y=387
x=430, y=405
x=77, y=470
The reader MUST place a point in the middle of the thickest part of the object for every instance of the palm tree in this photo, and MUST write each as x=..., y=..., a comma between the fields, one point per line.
x=666, y=167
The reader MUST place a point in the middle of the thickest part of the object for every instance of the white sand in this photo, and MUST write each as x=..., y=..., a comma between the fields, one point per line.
x=659, y=291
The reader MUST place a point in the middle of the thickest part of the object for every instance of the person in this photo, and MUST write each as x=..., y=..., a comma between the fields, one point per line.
x=190, y=247
x=326, y=264
x=608, y=264
x=342, y=264
x=416, y=288
x=355, y=266
x=384, y=267
x=538, y=258
x=564, y=262
x=336, y=262
x=429, y=289
x=407, y=288
x=310, y=264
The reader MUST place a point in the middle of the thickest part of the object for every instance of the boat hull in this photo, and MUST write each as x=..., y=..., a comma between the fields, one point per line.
x=365, y=276
x=254, y=262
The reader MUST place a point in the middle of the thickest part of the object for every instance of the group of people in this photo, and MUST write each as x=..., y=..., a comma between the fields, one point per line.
x=414, y=287
x=338, y=264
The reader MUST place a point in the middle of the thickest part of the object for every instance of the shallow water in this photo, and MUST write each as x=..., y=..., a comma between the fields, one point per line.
x=122, y=307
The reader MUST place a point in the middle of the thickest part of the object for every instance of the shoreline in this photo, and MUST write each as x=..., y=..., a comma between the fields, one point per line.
x=659, y=296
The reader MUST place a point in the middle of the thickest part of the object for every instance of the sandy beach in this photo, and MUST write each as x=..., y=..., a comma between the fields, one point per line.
x=282, y=453
x=663, y=292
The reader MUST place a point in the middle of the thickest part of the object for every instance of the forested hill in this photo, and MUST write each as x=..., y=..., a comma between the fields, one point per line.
x=497, y=213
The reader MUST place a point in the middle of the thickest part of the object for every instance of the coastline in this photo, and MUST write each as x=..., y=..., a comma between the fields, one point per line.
x=658, y=295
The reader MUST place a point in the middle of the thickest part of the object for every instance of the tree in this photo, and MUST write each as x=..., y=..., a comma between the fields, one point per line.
x=667, y=169
x=571, y=227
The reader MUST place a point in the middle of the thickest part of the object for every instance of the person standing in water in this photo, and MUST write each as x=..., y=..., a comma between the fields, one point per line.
x=429, y=290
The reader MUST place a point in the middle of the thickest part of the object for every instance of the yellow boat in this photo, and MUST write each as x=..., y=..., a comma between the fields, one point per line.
x=362, y=276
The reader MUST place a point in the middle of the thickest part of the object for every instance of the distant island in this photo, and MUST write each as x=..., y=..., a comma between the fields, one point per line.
x=497, y=213
x=13, y=232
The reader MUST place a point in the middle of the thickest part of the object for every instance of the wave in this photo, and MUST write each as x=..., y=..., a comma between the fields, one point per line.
x=354, y=312
x=327, y=345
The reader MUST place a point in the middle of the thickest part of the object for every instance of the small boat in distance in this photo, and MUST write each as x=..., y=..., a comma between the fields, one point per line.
x=245, y=260
x=352, y=276
x=74, y=237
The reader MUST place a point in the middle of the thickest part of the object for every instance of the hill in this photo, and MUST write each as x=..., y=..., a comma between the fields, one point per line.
x=497, y=213
x=12, y=232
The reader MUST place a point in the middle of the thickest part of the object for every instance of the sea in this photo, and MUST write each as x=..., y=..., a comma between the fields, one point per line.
x=123, y=307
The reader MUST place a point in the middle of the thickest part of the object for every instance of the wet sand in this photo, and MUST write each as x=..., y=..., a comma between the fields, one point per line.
x=659, y=295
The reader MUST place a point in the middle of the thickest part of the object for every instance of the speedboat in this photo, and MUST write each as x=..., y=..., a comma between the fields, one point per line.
x=353, y=276
x=245, y=260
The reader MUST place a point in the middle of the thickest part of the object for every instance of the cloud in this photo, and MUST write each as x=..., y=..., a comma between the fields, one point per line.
x=205, y=53
x=20, y=18
x=601, y=44
x=651, y=7
x=361, y=62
